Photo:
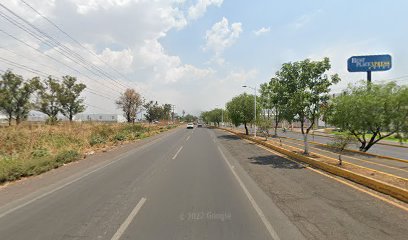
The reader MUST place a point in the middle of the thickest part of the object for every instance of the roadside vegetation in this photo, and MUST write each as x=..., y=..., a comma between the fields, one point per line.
x=29, y=150
x=300, y=92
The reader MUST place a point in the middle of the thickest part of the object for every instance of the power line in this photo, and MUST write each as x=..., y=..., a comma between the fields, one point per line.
x=70, y=37
x=87, y=104
x=54, y=59
x=38, y=72
x=51, y=42
x=77, y=42
x=63, y=47
x=46, y=67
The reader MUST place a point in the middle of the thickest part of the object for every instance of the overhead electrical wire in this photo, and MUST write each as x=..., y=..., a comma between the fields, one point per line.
x=78, y=43
x=55, y=47
x=13, y=52
x=58, y=46
x=73, y=39
x=55, y=59
x=45, y=75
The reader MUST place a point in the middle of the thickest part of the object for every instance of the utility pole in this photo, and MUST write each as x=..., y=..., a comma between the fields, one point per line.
x=222, y=117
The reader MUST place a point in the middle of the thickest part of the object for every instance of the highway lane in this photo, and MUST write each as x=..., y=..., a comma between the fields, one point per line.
x=321, y=205
x=379, y=149
x=157, y=192
x=197, y=184
x=386, y=150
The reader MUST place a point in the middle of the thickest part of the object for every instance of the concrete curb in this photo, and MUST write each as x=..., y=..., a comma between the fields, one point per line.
x=394, y=191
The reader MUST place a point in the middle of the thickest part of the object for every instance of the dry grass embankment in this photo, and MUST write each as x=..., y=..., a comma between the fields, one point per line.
x=31, y=150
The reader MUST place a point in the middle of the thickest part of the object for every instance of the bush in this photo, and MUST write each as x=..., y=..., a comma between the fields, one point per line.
x=97, y=139
x=67, y=156
x=133, y=128
x=120, y=136
x=11, y=170
x=40, y=152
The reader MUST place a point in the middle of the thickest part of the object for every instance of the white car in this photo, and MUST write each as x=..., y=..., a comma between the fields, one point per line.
x=190, y=125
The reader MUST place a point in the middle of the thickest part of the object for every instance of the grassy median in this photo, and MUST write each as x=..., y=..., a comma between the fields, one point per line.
x=34, y=149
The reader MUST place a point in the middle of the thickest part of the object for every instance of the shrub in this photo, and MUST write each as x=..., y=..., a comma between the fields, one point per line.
x=97, y=139
x=40, y=152
x=120, y=136
x=11, y=170
x=133, y=128
x=67, y=156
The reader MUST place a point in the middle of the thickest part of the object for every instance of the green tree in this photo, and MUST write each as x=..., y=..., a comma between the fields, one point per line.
x=190, y=118
x=307, y=87
x=48, y=102
x=15, y=95
x=166, y=111
x=371, y=112
x=205, y=117
x=153, y=111
x=241, y=110
x=273, y=99
x=69, y=97
x=213, y=116
x=130, y=102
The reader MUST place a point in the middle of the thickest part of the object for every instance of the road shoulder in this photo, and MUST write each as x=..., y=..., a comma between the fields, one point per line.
x=29, y=188
x=319, y=206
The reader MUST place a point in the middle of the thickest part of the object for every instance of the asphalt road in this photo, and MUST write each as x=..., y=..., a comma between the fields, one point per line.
x=379, y=149
x=192, y=184
x=386, y=150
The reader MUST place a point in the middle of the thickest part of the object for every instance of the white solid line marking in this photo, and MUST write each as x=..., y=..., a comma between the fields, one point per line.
x=128, y=220
x=115, y=160
x=265, y=221
x=54, y=190
x=188, y=138
x=177, y=152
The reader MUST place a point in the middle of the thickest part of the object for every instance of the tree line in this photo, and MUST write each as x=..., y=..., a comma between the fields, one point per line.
x=48, y=95
x=300, y=92
x=18, y=96
x=132, y=103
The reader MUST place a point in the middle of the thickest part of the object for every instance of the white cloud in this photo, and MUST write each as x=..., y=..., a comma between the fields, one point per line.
x=84, y=7
x=305, y=19
x=166, y=67
x=222, y=35
x=199, y=9
x=120, y=60
x=262, y=31
x=127, y=35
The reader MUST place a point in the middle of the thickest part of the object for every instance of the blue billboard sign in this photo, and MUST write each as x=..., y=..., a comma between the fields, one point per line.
x=369, y=63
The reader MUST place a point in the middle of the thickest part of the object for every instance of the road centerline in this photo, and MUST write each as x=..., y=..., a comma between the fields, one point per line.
x=129, y=219
x=178, y=151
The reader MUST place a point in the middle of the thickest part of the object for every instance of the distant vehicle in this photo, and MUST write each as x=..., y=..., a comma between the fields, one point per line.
x=199, y=125
x=190, y=126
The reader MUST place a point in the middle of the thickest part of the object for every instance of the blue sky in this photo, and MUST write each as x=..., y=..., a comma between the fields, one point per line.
x=196, y=54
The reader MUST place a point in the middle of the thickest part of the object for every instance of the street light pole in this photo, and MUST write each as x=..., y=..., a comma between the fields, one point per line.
x=255, y=112
x=222, y=117
x=255, y=107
